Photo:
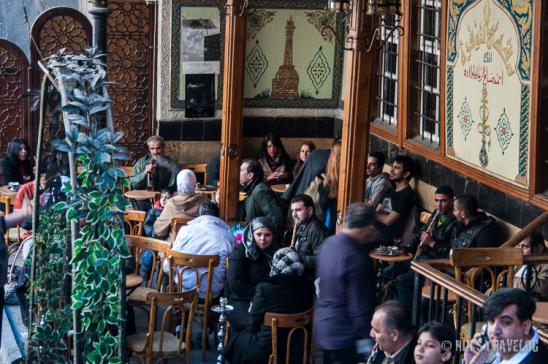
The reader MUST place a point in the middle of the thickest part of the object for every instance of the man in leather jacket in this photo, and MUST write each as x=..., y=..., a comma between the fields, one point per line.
x=309, y=233
x=475, y=229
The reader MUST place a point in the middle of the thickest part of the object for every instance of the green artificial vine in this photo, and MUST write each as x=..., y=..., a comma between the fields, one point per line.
x=54, y=320
x=95, y=204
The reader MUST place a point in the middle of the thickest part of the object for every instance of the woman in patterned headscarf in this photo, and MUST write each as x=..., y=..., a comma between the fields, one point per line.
x=285, y=291
x=248, y=265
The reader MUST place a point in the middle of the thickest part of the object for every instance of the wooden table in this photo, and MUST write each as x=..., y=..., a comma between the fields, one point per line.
x=6, y=191
x=141, y=194
x=385, y=260
x=541, y=314
x=281, y=187
x=391, y=258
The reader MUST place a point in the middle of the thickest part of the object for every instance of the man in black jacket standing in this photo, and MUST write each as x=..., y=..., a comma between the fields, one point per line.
x=309, y=231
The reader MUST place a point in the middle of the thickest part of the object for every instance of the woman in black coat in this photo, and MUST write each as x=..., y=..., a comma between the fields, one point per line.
x=17, y=164
x=286, y=291
x=248, y=265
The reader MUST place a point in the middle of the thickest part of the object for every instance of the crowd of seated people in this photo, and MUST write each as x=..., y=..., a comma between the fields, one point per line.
x=289, y=245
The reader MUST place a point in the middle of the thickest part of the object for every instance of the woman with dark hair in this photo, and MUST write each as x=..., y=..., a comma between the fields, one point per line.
x=17, y=164
x=285, y=291
x=435, y=344
x=274, y=160
x=306, y=148
x=248, y=265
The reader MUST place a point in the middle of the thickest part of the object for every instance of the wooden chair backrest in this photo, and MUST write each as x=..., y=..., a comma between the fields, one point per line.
x=135, y=221
x=128, y=170
x=295, y=322
x=136, y=244
x=196, y=168
x=192, y=262
x=178, y=222
x=181, y=304
x=485, y=257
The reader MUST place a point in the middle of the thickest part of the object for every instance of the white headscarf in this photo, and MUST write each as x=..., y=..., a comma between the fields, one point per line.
x=186, y=181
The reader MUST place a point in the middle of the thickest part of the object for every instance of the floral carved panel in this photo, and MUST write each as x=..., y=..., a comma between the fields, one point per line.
x=13, y=84
x=55, y=29
x=130, y=54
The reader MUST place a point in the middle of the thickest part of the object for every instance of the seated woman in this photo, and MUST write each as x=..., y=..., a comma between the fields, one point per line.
x=274, y=160
x=286, y=291
x=17, y=164
x=184, y=204
x=306, y=148
x=248, y=265
x=435, y=344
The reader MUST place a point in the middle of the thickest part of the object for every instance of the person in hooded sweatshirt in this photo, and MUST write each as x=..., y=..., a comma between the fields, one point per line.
x=184, y=204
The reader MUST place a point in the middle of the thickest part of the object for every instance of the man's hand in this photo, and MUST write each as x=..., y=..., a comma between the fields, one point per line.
x=427, y=239
x=475, y=352
x=150, y=167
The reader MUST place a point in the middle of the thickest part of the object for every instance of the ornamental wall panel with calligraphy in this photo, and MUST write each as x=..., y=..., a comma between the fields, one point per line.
x=488, y=95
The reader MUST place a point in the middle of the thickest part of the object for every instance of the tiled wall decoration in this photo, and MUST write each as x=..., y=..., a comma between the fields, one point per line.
x=489, y=53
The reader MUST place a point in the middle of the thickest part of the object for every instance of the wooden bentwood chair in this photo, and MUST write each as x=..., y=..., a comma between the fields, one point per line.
x=294, y=323
x=178, y=264
x=163, y=344
x=483, y=262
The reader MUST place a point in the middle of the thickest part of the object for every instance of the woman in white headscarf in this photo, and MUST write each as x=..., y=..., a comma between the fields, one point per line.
x=184, y=204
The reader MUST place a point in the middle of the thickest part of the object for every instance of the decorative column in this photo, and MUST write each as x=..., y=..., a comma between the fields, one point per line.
x=99, y=12
x=233, y=104
x=357, y=105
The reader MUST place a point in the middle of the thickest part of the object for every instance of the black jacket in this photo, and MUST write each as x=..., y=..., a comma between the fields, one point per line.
x=244, y=274
x=309, y=238
x=442, y=233
x=479, y=233
x=406, y=356
x=12, y=173
x=279, y=294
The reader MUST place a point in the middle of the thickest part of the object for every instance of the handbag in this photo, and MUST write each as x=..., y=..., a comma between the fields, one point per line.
x=313, y=191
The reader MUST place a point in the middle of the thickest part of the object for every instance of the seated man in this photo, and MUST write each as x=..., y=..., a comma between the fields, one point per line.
x=509, y=331
x=397, y=202
x=436, y=234
x=377, y=182
x=184, y=204
x=206, y=235
x=475, y=229
x=309, y=232
x=436, y=244
x=538, y=285
x=155, y=170
x=261, y=200
x=393, y=334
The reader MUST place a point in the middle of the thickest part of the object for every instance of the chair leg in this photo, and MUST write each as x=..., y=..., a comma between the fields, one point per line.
x=204, y=336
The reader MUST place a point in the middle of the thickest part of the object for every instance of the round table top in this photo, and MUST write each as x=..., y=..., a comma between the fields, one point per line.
x=281, y=187
x=141, y=194
x=391, y=258
x=6, y=191
x=541, y=313
x=133, y=280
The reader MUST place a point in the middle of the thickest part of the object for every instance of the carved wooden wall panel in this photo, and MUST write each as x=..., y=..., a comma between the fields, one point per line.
x=53, y=30
x=130, y=58
x=13, y=85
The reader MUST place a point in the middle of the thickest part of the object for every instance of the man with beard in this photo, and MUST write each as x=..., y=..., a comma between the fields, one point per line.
x=155, y=171
x=261, y=200
x=309, y=231
x=475, y=228
x=397, y=203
